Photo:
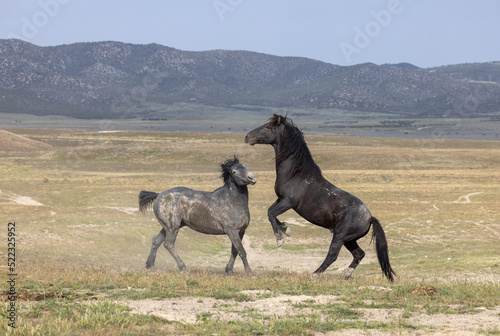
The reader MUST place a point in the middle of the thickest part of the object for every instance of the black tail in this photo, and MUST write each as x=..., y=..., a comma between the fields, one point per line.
x=381, y=247
x=146, y=199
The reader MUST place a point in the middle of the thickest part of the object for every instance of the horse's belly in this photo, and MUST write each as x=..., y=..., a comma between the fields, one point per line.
x=205, y=220
x=215, y=221
x=206, y=228
x=327, y=211
x=320, y=218
x=329, y=214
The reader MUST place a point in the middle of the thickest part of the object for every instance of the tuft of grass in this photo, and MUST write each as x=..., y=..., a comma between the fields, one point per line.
x=62, y=317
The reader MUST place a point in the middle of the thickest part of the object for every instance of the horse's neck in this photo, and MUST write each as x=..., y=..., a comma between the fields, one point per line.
x=234, y=191
x=279, y=165
x=276, y=147
x=284, y=167
x=289, y=166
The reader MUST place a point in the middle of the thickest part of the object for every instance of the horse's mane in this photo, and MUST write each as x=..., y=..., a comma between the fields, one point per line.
x=292, y=142
x=226, y=168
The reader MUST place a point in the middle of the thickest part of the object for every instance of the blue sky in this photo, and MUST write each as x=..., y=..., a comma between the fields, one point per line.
x=422, y=32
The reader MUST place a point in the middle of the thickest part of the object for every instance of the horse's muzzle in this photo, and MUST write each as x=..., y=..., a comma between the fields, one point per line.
x=252, y=179
x=248, y=141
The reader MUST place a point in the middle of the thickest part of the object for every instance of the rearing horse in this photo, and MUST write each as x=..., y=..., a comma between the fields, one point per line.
x=300, y=186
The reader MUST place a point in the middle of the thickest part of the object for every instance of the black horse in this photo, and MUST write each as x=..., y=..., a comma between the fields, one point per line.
x=301, y=186
x=223, y=211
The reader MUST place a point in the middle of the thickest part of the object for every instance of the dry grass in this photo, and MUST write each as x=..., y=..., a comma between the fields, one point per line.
x=438, y=202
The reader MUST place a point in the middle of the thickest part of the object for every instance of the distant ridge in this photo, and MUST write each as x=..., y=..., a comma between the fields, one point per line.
x=404, y=65
x=113, y=79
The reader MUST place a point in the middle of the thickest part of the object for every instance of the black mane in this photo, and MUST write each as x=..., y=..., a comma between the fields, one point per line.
x=226, y=168
x=293, y=144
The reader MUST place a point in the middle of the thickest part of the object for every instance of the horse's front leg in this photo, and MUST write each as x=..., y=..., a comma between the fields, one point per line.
x=237, y=248
x=278, y=207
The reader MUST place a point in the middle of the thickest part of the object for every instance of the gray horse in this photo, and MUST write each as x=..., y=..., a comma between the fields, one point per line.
x=223, y=211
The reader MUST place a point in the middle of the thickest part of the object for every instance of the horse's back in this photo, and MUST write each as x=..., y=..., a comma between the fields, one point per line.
x=169, y=199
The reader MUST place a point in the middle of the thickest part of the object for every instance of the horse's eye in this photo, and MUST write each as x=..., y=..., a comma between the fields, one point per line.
x=234, y=171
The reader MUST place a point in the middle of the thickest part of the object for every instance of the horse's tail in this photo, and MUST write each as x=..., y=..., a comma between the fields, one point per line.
x=146, y=199
x=381, y=247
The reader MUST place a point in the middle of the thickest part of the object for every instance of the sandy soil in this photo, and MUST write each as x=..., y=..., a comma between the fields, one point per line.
x=11, y=198
x=189, y=310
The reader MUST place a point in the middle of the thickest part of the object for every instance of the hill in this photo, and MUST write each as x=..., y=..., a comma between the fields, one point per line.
x=10, y=142
x=113, y=79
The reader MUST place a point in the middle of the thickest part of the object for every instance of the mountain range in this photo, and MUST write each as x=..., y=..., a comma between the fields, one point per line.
x=114, y=79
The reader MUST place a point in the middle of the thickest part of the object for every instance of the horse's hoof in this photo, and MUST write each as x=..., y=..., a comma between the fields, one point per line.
x=348, y=273
x=288, y=232
x=279, y=241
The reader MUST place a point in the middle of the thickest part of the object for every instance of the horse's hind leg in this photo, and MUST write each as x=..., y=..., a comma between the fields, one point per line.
x=169, y=245
x=237, y=248
x=332, y=255
x=357, y=253
x=157, y=240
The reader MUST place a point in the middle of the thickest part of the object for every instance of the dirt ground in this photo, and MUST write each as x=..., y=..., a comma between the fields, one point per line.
x=188, y=310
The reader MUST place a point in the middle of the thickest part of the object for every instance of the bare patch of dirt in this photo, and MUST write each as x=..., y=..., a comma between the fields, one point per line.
x=127, y=210
x=192, y=310
x=25, y=200
x=453, y=332
x=16, y=199
x=466, y=198
x=459, y=324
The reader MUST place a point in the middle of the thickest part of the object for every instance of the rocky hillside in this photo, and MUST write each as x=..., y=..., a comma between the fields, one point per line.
x=111, y=79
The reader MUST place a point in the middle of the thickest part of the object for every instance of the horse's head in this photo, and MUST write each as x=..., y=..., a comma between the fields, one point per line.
x=238, y=172
x=268, y=133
